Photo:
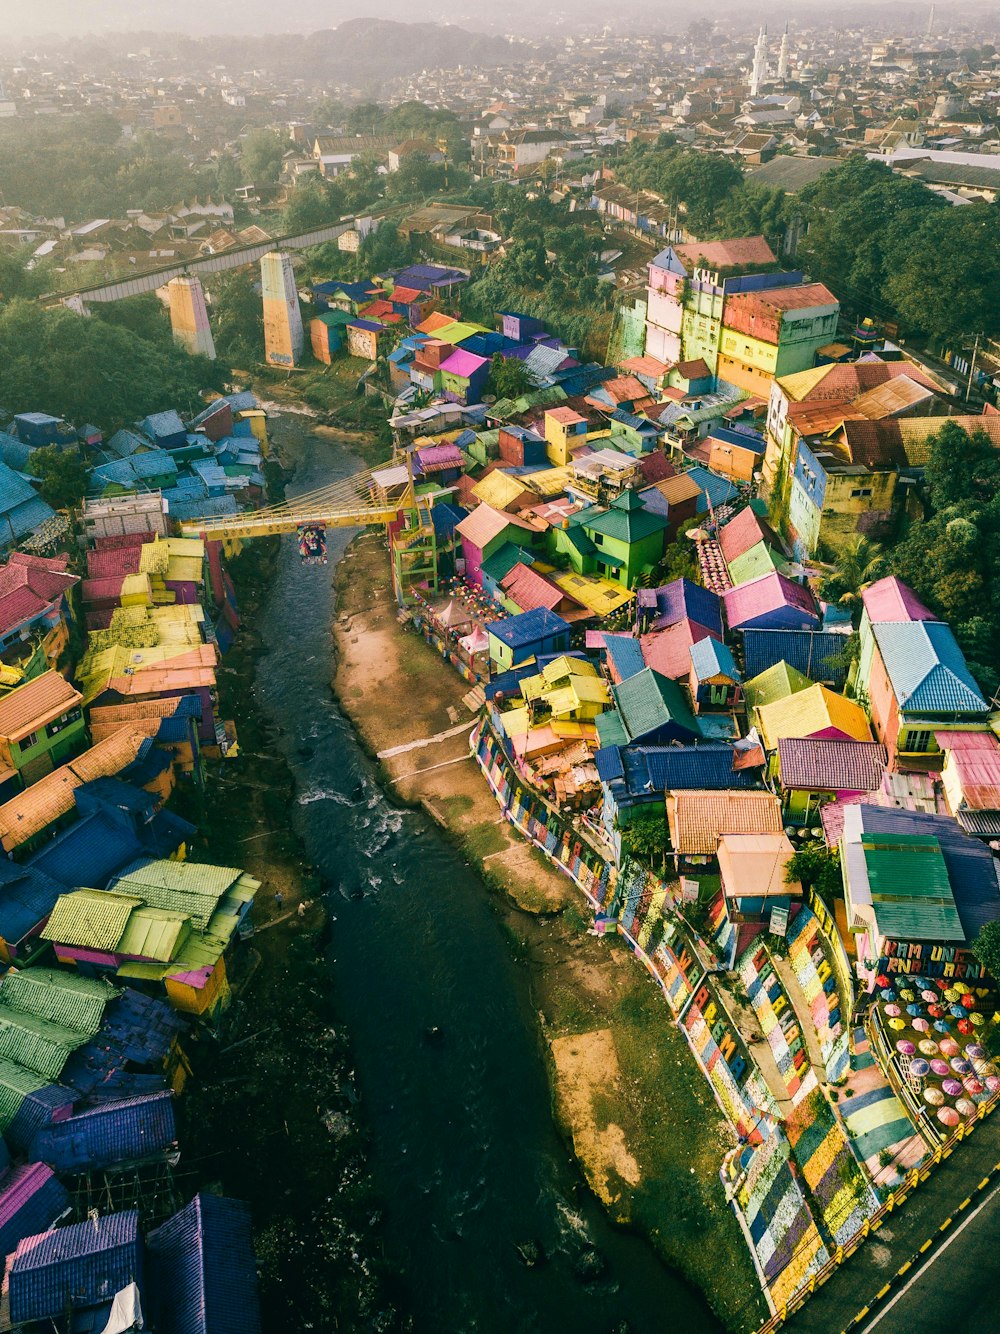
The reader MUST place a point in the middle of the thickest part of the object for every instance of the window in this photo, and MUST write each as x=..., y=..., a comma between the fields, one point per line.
x=860, y=491
x=918, y=742
x=27, y=742
x=598, y=539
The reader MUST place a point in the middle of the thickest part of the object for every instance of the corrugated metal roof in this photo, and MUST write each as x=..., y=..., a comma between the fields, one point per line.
x=927, y=668
x=711, y=657
x=911, y=893
x=648, y=701
x=816, y=654
x=831, y=766
x=772, y=684
x=205, y=1269
x=652, y=769
x=528, y=628
x=890, y=599
x=771, y=595
x=57, y=996
x=90, y=919
x=76, y=1266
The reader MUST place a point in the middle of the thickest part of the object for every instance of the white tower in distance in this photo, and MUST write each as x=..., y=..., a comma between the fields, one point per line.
x=783, y=57
x=930, y=23
x=759, y=72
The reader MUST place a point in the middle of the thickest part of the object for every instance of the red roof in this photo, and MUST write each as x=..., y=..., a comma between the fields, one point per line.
x=744, y=532
x=725, y=254
x=693, y=370
x=530, y=590
x=408, y=295
x=29, y=585
x=118, y=561
x=669, y=651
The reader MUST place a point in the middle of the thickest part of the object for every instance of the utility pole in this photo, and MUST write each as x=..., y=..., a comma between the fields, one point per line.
x=972, y=369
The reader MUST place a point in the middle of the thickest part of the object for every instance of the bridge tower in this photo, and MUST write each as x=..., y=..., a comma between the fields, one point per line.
x=189, y=318
x=283, y=335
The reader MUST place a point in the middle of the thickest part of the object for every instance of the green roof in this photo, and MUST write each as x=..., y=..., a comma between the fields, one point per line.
x=89, y=918
x=154, y=933
x=59, y=997
x=911, y=893
x=15, y=1085
x=192, y=889
x=503, y=560
x=650, y=700
x=611, y=729
x=38, y=1044
x=627, y=520
x=772, y=684
x=760, y=559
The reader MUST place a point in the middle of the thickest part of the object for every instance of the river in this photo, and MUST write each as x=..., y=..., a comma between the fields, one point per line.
x=464, y=1152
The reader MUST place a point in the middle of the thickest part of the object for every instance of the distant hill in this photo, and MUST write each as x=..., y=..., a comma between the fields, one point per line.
x=367, y=45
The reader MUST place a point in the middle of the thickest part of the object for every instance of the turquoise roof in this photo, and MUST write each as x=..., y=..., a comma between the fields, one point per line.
x=710, y=657
x=927, y=668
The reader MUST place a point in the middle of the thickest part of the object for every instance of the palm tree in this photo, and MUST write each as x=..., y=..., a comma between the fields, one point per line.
x=858, y=563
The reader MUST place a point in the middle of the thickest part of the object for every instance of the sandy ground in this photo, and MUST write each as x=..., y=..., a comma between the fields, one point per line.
x=586, y=1068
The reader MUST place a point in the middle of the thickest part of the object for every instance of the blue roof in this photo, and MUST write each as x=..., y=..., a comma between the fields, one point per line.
x=136, y=1030
x=711, y=657
x=27, y=896
x=811, y=652
x=207, y=507
x=972, y=871
x=113, y=792
x=642, y=770
x=719, y=490
x=36, y=1111
x=528, y=627
x=124, y=443
x=927, y=668
x=626, y=655
x=90, y=851
x=154, y=463
x=744, y=439
x=642, y=424
x=366, y=324
x=18, y=503
x=40, y=1200
x=15, y=453
x=243, y=400
x=579, y=379
x=204, y=1272
x=446, y=518
x=127, y=1131
x=76, y=1266
x=163, y=425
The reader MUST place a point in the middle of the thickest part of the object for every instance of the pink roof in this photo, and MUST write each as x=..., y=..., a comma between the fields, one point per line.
x=530, y=590
x=463, y=363
x=30, y=584
x=984, y=741
x=890, y=599
x=744, y=532
x=755, y=598
x=723, y=254
x=669, y=651
x=105, y=564
x=23, y=1182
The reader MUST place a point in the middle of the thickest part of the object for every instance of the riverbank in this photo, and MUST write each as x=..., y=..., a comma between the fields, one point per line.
x=272, y=1106
x=625, y=1091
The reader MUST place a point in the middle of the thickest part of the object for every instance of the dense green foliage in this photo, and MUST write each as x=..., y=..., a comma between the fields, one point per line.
x=815, y=867
x=702, y=182
x=645, y=837
x=63, y=475
x=987, y=948
x=509, y=377
x=93, y=370
x=952, y=559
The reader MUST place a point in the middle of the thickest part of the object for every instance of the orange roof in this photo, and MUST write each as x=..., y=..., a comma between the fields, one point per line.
x=644, y=366
x=140, y=709
x=485, y=523
x=566, y=416
x=697, y=820
x=753, y=865
x=147, y=726
x=51, y=797
x=436, y=320
x=725, y=254
x=36, y=703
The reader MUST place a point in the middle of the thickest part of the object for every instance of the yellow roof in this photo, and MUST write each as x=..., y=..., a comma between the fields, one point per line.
x=533, y=687
x=185, y=569
x=516, y=722
x=570, y=731
x=809, y=713
x=551, y=482
x=596, y=594
x=498, y=489
x=801, y=384
x=564, y=666
x=154, y=557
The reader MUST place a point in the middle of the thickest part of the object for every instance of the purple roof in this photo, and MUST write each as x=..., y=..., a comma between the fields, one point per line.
x=31, y=1199
x=124, y=1131
x=203, y=1269
x=366, y=324
x=681, y=600
x=891, y=600
x=761, y=602
x=462, y=363
x=84, y=1264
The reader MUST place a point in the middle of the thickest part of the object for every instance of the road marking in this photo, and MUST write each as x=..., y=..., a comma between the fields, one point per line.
x=933, y=1259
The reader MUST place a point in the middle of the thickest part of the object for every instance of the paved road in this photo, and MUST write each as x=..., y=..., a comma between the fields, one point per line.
x=856, y=1285
x=954, y=1289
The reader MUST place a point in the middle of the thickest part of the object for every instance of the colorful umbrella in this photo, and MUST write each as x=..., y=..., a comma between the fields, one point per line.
x=968, y=1001
x=921, y=1025
x=933, y=1097
x=941, y=984
x=892, y=1011
x=906, y=1047
x=976, y=1020
x=928, y=1046
x=974, y=1049
x=964, y=1026
x=882, y=980
x=888, y=994
x=966, y=1107
x=919, y=1068
x=952, y=993
x=938, y=1066
x=915, y=1008
x=971, y=1085
x=983, y=1067
x=961, y=1066
x=949, y=1047
x=956, y=1011
x=948, y=1116
x=897, y=1024
x=936, y=1010
x=992, y=1082
x=952, y=1087
x=907, y=995
x=928, y=995
x=940, y=1026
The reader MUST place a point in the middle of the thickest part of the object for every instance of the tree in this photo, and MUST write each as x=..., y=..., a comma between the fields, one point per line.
x=63, y=476
x=961, y=467
x=314, y=203
x=645, y=837
x=986, y=948
x=679, y=562
x=860, y=562
x=262, y=153
x=509, y=377
x=946, y=278
x=754, y=210
x=237, y=319
x=815, y=867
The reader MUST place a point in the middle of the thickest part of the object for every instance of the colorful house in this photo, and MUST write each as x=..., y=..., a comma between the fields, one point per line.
x=485, y=531
x=463, y=376
x=770, y=602
x=773, y=333
x=714, y=678
x=363, y=338
x=22, y=509
x=817, y=712
x=41, y=725
x=658, y=608
x=914, y=678
x=525, y=636
x=813, y=771
x=565, y=430
x=629, y=538
x=649, y=709
x=697, y=820
x=35, y=610
x=752, y=868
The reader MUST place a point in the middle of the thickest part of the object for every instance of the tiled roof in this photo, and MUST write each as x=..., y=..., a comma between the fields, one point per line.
x=125, y=1131
x=758, y=561
x=189, y=887
x=37, y=702
x=648, y=701
x=29, y=585
x=206, y=1276
x=57, y=996
x=927, y=668
x=625, y=654
x=831, y=766
x=711, y=657
x=681, y=600
x=810, y=712
x=90, y=918
x=817, y=655
x=626, y=520
x=890, y=599
x=31, y=1199
x=485, y=523
x=642, y=770
x=77, y=1266
x=725, y=254
x=530, y=590
x=669, y=651
x=745, y=531
x=696, y=819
